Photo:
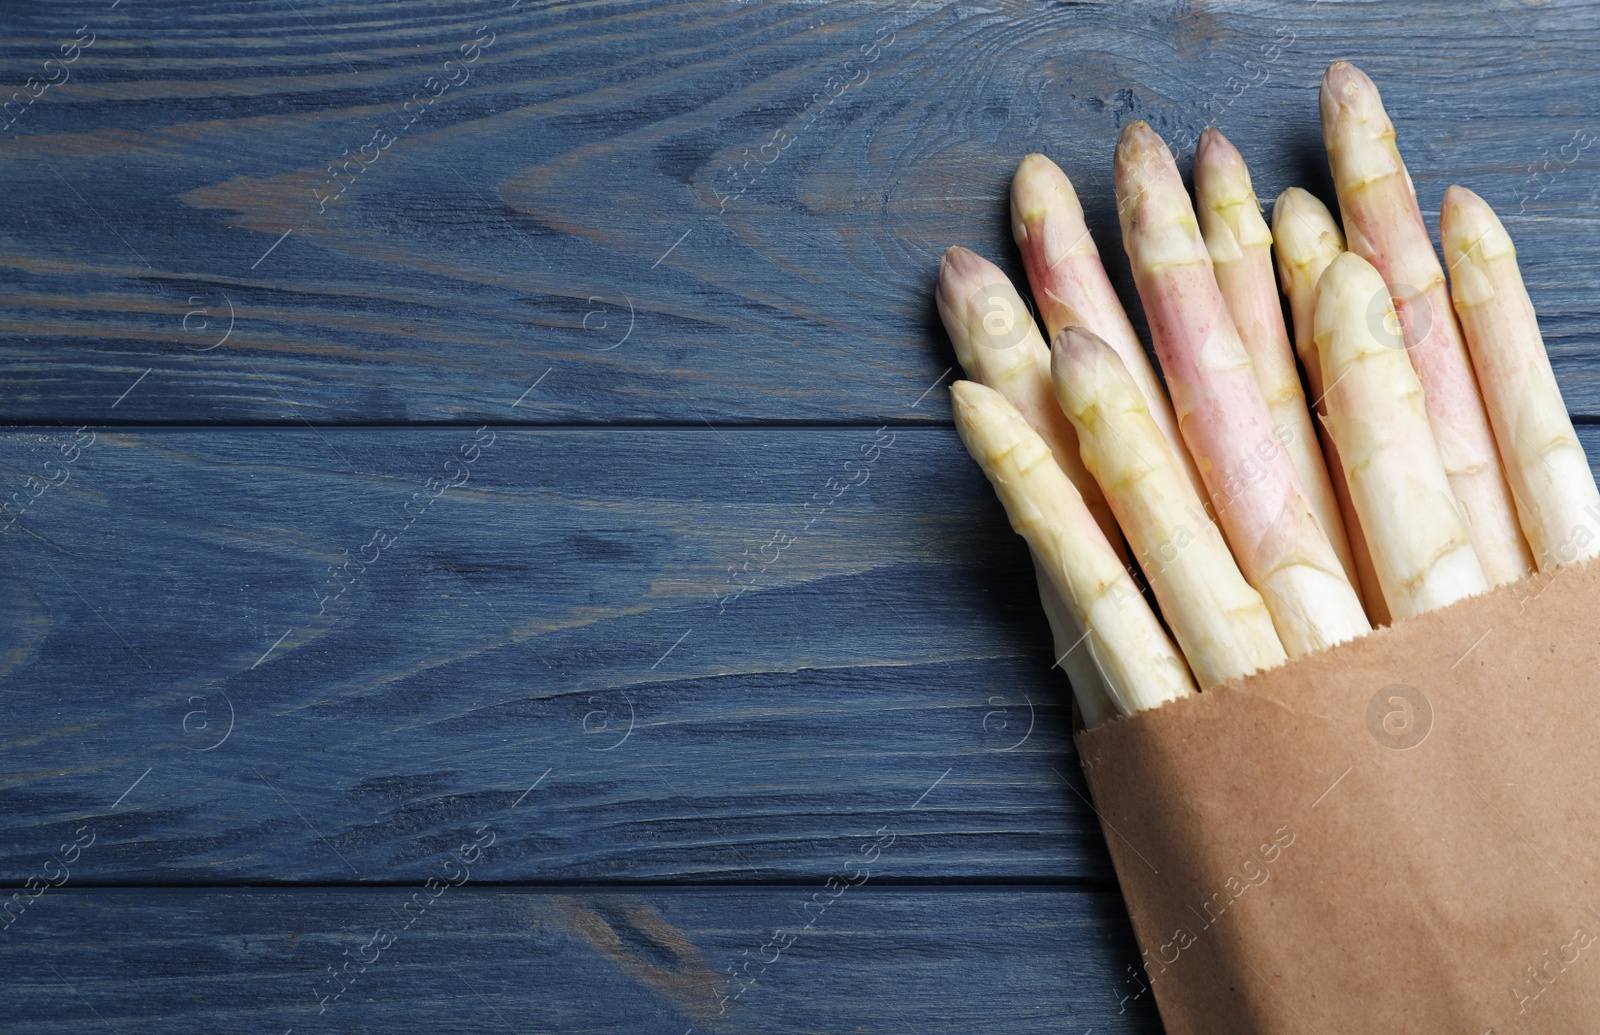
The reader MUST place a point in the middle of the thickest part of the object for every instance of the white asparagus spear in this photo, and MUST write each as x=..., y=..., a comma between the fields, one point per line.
x=1305, y=239
x=1137, y=661
x=998, y=345
x=1072, y=290
x=1420, y=545
x=1384, y=226
x=1240, y=246
x=1281, y=547
x=1550, y=477
x=1072, y=655
x=1220, y=622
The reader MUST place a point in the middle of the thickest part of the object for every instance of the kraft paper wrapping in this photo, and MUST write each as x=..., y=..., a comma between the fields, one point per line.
x=1397, y=835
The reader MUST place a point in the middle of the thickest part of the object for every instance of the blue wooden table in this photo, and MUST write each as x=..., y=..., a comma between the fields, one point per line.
x=438, y=599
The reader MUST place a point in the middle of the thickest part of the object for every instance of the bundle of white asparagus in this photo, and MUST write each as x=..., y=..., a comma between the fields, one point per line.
x=1418, y=453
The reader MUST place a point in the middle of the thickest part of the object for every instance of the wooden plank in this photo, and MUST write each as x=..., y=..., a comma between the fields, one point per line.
x=565, y=213
x=564, y=615
x=186, y=677
x=871, y=960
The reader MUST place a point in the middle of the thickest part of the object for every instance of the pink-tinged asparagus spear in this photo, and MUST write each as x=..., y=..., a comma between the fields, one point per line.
x=1281, y=547
x=1219, y=621
x=1384, y=226
x=998, y=345
x=1549, y=474
x=1123, y=640
x=1071, y=288
x=1420, y=544
x=1306, y=239
x=1240, y=246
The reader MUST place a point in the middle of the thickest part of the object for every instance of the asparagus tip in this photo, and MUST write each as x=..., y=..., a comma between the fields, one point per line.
x=1038, y=186
x=1350, y=284
x=1348, y=90
x=1088, y=374
x=1343, y=78
x=979, y=306
x=1211, y=139
x=1222, y=185
x=1216, y=153
x=972, y=406
x=962, y=270
x=1303, y=228
x=950, y=295
x=1138, y=140
x=1034, y=163
x=1467, y=224
x=963, y=392
x=1347, y=266
x=1291, y=198
x=1078, y=341
x=1142, y=158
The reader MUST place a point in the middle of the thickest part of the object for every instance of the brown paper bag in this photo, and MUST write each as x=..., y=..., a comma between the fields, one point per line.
x=1398, y=835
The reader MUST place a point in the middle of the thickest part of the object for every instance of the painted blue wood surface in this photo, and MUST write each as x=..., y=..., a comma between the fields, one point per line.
x=560, y=648
x=563, y=212
x=779, y=959
x=186, y=675
x=570, y=608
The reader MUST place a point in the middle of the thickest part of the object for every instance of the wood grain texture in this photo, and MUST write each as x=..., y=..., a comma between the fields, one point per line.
x=564, y=211
x=215, y=673
x=875, y=960
x=563, y=614
x=567, y=609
